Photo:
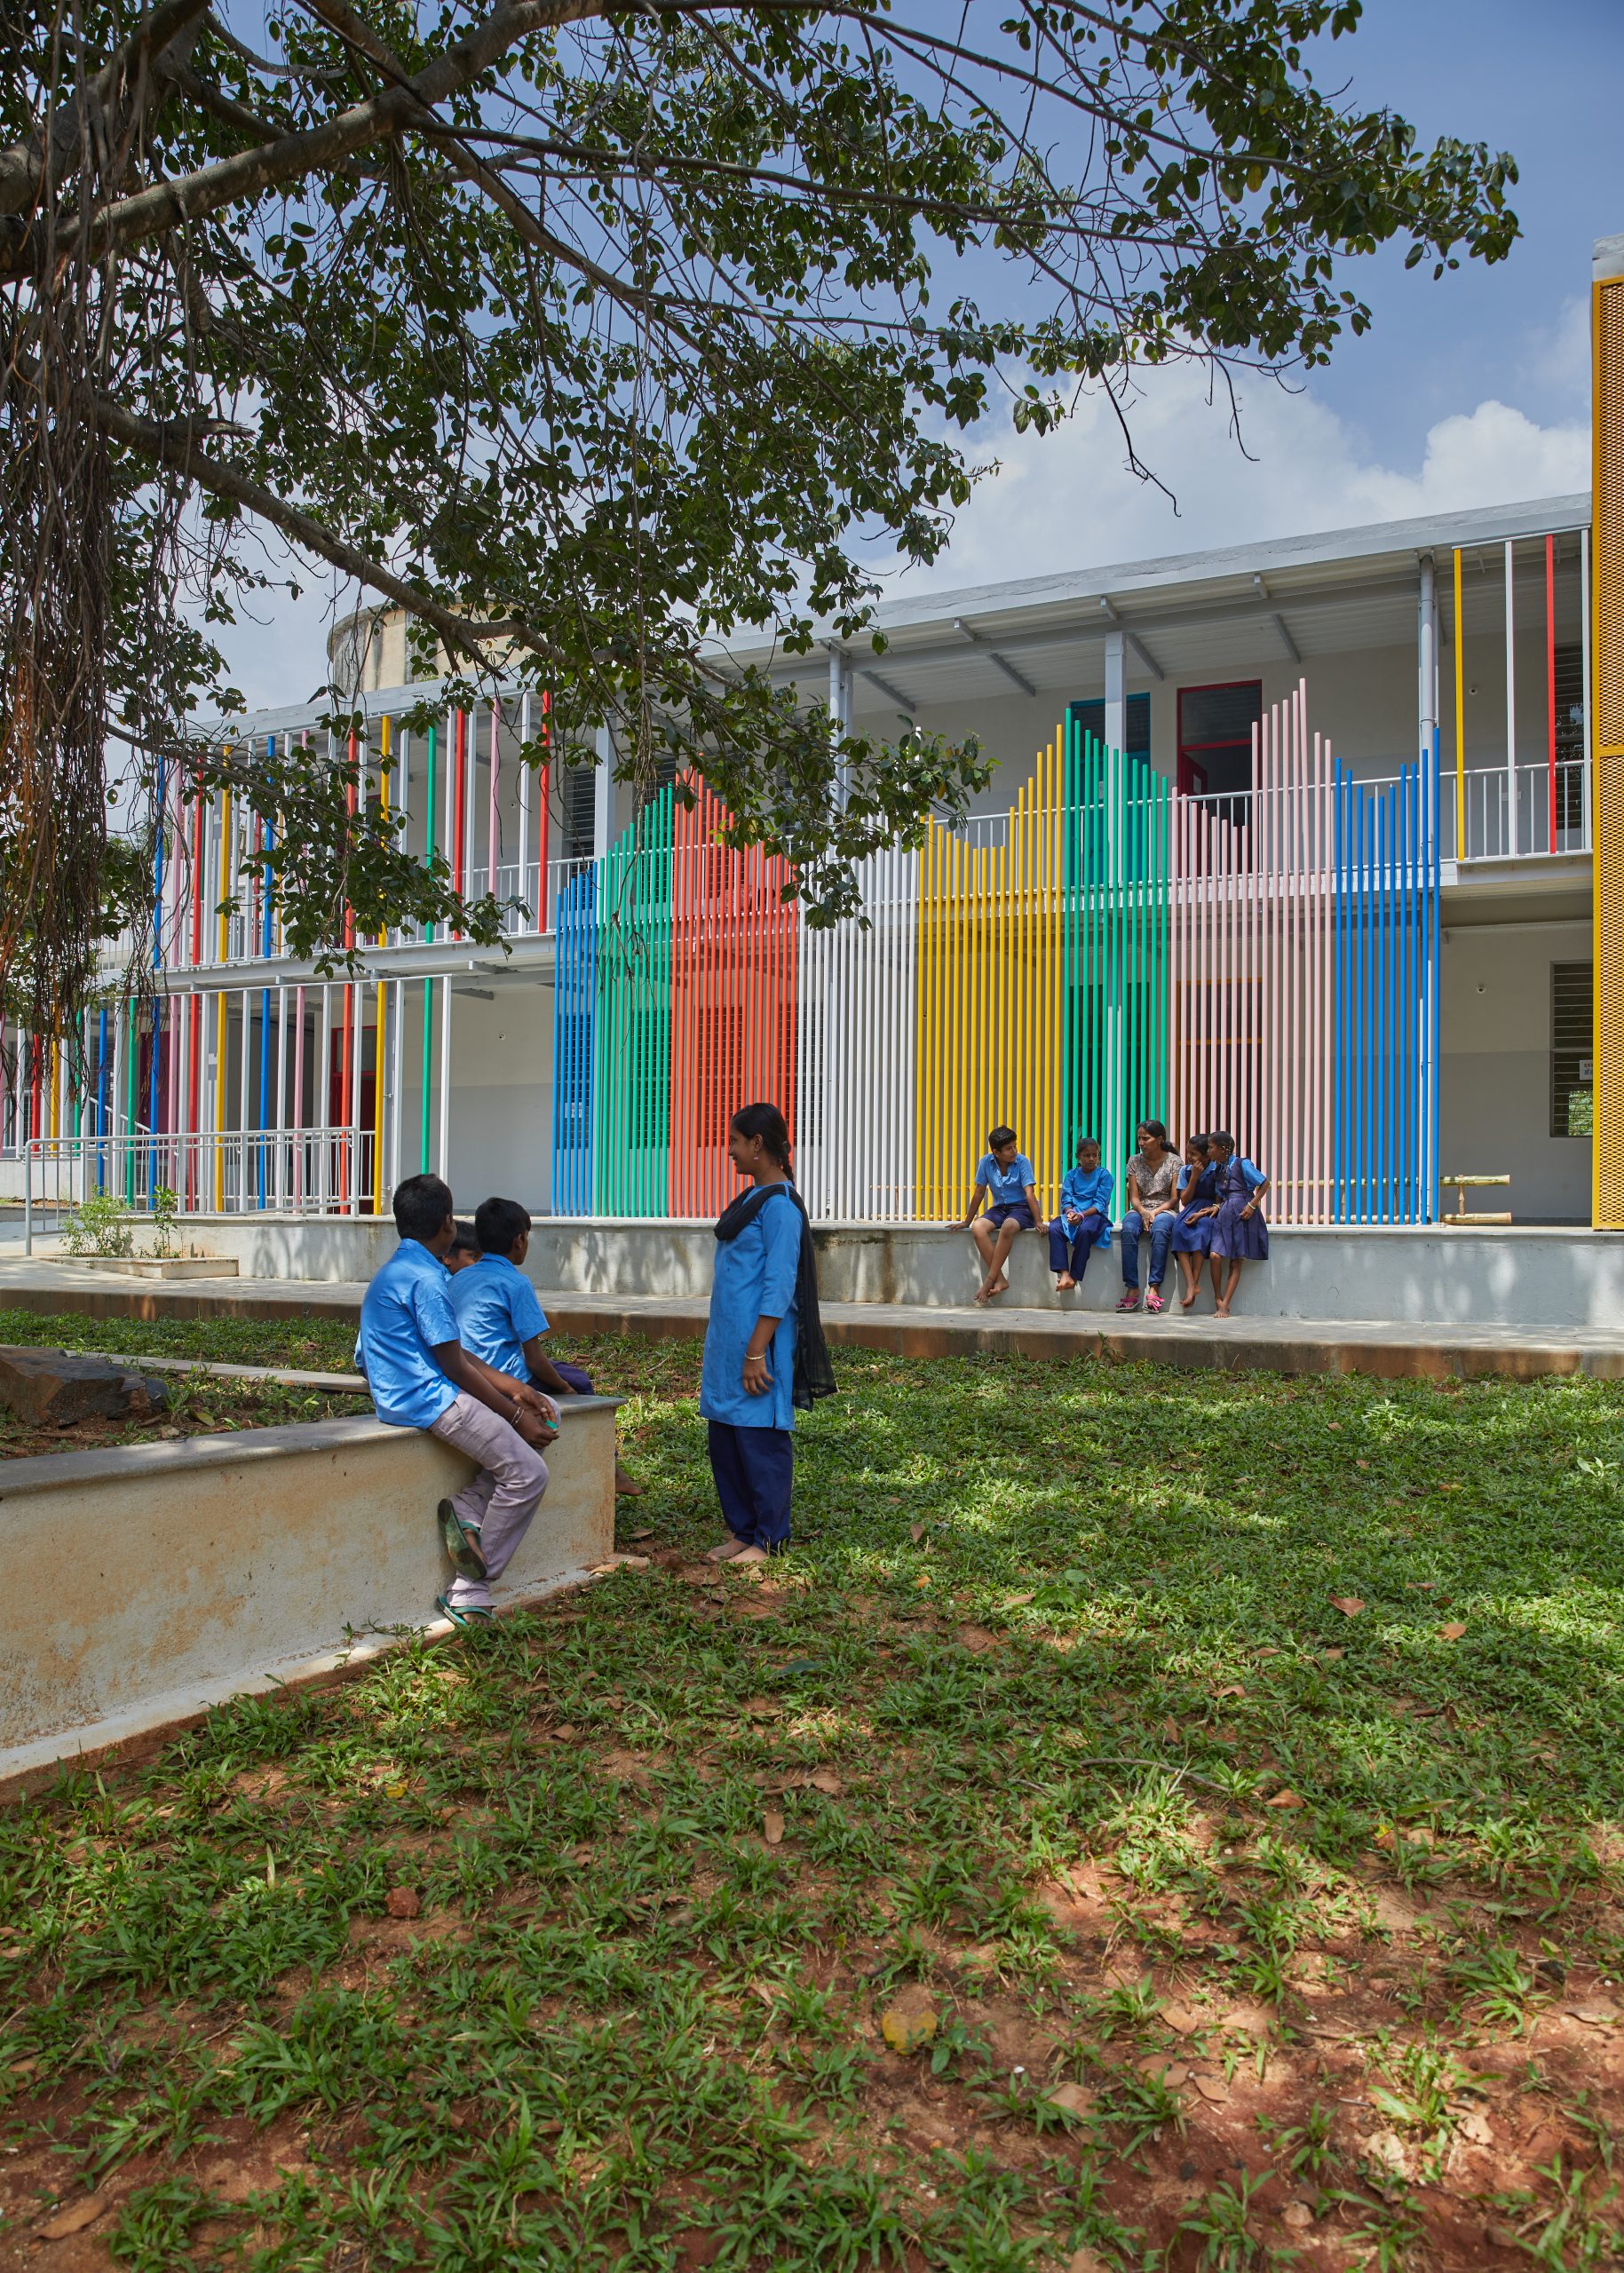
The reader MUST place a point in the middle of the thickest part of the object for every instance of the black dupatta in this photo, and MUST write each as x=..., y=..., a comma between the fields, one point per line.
x=813, y=1376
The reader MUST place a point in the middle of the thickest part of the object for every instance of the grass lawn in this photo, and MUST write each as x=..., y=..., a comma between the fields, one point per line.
x=1151, y=1819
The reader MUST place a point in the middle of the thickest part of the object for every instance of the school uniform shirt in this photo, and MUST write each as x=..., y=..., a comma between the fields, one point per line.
x=1083, y=1188
x=496, y=1313
x=755, y=1278
x=1158, y=1183
x=404, y=1314
x=1005, y=1187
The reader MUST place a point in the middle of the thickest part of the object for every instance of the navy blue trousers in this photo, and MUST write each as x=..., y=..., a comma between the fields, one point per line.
x=1070, y=1246
x=1162, y=1229
x=754, y=1473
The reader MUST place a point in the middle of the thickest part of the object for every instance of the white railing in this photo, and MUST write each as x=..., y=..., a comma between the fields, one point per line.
x=1494, y=830
x=1509, y=816
x=211, y=1172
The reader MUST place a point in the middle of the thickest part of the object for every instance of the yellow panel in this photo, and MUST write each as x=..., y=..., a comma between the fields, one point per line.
x=1607, y=414
x=988, y=989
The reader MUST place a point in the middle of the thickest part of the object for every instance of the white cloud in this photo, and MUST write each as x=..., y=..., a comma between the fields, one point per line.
x=1066, y=501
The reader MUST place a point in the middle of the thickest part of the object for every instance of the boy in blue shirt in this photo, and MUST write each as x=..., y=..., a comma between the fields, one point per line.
x=500, y=1317
x=1005, y=1181
x=1084, y=1220
x=421, y=1376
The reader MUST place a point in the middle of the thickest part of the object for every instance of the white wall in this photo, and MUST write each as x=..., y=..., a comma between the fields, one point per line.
x=1495, y=1070
x=501, y=1096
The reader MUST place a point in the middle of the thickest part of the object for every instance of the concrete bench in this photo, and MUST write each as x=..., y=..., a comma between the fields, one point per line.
x=149, y=1582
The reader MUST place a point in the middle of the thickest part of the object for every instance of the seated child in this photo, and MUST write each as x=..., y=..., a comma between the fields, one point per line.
x=463, y=1249
x=1198, y=1204
x=1084, y=1220
x=1004, y=1179
x=422, y=1377
x=501, y=1318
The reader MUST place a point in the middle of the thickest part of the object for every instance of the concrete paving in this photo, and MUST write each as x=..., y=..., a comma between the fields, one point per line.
x=1200, y=1342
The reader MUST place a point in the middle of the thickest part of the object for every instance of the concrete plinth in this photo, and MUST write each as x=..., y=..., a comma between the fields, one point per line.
x=171, y=1576
x=1514, y=1278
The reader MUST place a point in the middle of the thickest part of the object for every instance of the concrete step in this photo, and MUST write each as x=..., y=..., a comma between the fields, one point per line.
x=1199, y=1342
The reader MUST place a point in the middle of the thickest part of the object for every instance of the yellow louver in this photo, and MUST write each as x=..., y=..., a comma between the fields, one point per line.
x=1608, y=784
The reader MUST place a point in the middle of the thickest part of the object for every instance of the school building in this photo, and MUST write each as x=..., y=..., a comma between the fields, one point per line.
x=1319, y=839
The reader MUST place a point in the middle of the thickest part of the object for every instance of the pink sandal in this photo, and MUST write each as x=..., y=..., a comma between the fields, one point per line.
x=1154, y=1303
x=1130, y=1300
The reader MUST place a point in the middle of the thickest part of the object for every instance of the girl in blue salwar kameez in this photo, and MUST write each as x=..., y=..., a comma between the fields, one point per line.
x=764, y=1343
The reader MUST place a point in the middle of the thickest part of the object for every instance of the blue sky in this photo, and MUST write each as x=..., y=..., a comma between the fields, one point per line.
x=1472, y=391
x=1543, y=82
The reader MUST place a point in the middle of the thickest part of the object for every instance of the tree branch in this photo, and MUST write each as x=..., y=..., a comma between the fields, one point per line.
x=22, y=166
x=191, y=197
x=173, y=444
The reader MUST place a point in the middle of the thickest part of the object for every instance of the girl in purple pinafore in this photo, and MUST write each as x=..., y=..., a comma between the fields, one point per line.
x=1197, y=1208
x=1239, y=1233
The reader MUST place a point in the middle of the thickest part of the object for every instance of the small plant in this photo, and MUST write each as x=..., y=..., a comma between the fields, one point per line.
x=165, y=1208
x=100, y=1226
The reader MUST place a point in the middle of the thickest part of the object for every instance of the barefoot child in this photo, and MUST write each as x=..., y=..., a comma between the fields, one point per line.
x=422, y=1377
x=1084, y=1220
x=1239, y=1233
x=1152, y=1197
x=1005, y=1181
x=1198, y=1204
x=501, y=1318
x=764, y=1342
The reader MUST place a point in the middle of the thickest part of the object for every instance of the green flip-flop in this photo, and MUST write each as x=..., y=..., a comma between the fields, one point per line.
x=475, y=1615
x=461, y=1542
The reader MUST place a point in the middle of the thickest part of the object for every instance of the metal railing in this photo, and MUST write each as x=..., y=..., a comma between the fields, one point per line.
x=211, y=1172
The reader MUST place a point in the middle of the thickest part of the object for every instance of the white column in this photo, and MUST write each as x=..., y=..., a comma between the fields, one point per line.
x=397, y=1082
x=1116, y=691
x=1589, y=743
x=324, y=1099
x=840, y=709
x=358, y=1058
x=1511, y=844
x=538, y=919
x=1426, y=648
x=445, y=1079
x=603, y=795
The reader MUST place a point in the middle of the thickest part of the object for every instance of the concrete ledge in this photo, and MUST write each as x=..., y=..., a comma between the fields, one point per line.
x=150, y=1582
x=1429, y=1277
x=1201, y=1345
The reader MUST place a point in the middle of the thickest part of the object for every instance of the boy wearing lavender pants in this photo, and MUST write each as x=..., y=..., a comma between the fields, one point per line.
x=422, y=1377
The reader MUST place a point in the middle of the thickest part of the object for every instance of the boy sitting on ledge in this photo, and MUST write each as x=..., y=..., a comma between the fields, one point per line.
x=500, y=1318
x=422, y=1377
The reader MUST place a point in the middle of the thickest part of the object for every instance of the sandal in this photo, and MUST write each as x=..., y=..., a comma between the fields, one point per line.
x=1153, y=1303
x=461, y=1542
x=1130, y=1300
x=475, y=1614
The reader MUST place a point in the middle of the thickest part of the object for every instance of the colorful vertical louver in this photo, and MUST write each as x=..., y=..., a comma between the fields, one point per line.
x=1106, y=953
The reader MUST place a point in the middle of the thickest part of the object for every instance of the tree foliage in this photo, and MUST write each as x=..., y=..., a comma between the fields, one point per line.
x=601, y=339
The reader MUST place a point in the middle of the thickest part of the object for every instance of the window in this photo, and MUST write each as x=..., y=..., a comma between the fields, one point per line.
x=1214, y=738
x=1090, y=717
x=1572, y=1041
x=577, y=793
